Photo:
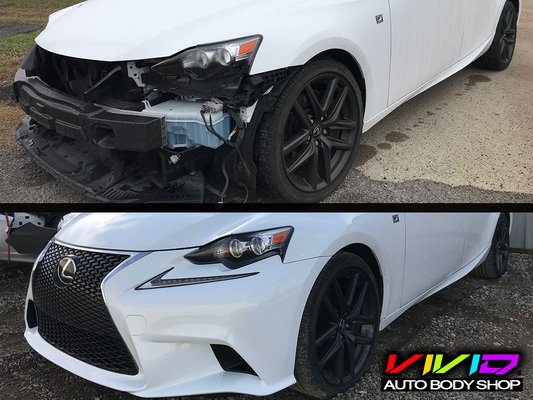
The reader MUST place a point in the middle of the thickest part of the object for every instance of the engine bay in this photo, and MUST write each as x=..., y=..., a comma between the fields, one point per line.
x=175, y=124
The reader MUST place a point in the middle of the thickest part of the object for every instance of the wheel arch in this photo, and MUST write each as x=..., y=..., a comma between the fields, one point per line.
x=349, y=61
x=517, y=5
x=366, y=253
x=510, y=217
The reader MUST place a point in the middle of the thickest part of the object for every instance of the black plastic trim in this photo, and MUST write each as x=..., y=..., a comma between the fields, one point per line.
x=76, y=119
x=31, y=315
x=107, y=177
x=231, y=361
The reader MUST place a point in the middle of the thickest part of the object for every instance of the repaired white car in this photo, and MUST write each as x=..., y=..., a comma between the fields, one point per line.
x=159, y=101
x=184, y=304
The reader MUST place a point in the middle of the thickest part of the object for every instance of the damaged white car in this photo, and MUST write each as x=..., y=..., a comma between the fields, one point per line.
x=166, y=100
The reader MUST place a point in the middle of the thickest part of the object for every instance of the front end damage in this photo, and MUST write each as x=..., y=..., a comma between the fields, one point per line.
x=163, y=130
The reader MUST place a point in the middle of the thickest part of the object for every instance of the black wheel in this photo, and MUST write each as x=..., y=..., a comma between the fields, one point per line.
x=500, y=54
x=306, y=145
x=495, y=266
x=339, y=328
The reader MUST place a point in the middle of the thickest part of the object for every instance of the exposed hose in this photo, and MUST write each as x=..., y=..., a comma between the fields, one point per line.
x=212, y=130
x=209, y=126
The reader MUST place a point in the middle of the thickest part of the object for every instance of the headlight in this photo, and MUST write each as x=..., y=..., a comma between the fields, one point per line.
x=205, y=62
x=66, y=220
x=237, y=251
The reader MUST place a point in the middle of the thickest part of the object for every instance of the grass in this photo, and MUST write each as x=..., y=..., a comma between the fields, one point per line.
x=55, y=4
x=30, y=11
x=33, y=12
x=12, y=50
x=17, y=45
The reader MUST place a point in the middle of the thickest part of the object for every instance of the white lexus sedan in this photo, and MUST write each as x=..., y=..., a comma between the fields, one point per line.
x=184, y=304
x=136, y=102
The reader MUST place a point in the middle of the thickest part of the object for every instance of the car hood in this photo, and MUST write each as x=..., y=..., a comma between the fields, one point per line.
x=159, y=231
x=124, y=30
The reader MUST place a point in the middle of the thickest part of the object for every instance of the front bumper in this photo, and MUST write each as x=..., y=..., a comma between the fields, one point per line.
x=70, y=117
x=101, y=174
x=169, y=332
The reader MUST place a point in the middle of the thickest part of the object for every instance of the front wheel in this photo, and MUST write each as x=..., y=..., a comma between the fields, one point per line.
x=339, y=328
x=306, y=145
x=495, y=266
x=500, y=53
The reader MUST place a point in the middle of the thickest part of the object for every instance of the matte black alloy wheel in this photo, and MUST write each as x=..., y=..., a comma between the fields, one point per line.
x=501, y=245
x=508, y=35
x=345, y=326
x=321, y=133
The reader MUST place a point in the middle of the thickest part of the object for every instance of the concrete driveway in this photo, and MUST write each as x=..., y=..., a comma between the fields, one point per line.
x=469, y=139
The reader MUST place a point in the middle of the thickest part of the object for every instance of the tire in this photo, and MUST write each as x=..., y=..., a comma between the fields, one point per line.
x=495, y=266
x=304, y=148
x=322, y=328
x=500, y=53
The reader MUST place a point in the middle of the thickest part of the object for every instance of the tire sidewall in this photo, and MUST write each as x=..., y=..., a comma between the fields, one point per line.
x=497, y=50
x=494, y=250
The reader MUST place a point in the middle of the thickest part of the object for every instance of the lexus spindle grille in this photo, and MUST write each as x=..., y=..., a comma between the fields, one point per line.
x=75, y=319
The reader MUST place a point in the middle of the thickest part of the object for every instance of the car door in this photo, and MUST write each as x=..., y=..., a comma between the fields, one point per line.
x=433, y=251
x=481, y=17
x=426, y=40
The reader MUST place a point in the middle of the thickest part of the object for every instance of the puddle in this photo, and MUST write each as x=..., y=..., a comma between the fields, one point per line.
x=473, y=80
x=396, y=137
x=365, y=154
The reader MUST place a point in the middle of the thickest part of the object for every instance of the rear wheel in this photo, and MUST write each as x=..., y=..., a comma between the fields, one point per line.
x=500, y=53
x=306, y=145
x=339, y=328
x=495, y=266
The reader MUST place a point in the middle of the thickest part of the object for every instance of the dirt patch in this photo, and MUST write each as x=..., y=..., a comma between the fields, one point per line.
x=8, y=68
x=14, y=28
x=10, y=117
x=6, y=94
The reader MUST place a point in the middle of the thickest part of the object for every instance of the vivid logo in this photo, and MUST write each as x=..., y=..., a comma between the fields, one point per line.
x=482, y=364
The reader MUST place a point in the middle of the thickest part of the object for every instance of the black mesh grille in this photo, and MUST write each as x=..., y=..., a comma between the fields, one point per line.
x=75, y=319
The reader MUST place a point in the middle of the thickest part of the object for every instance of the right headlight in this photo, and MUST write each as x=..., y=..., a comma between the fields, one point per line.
x=239, y=250
x=205, y=62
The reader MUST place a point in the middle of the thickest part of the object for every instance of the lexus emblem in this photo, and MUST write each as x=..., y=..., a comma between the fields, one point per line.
x=66, y=270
